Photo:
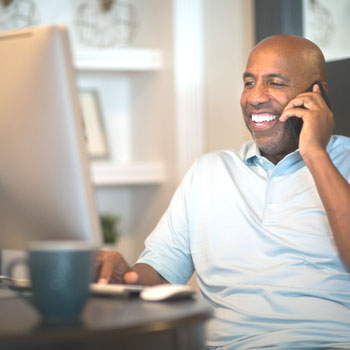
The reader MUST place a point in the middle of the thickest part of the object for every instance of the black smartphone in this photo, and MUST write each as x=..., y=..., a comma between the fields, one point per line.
x=295, y=124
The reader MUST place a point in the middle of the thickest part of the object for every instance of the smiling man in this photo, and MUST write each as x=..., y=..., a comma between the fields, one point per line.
x=279, y=69
x=266, y=228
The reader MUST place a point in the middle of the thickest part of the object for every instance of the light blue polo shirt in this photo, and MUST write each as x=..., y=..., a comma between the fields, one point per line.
x=259, y=239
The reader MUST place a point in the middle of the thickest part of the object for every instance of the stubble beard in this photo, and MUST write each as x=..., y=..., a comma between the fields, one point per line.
x=280, y=143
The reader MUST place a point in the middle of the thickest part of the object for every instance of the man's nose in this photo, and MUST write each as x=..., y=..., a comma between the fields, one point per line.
x=258, y=95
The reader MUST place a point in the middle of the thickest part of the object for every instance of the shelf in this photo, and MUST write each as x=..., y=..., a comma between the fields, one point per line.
x=108, y=174
x=118, y=59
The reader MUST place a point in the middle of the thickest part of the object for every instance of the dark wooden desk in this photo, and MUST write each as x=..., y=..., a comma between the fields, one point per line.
x=108, y=323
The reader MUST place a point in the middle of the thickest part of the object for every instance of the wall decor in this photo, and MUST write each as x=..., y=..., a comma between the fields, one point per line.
x=92, y=24
x=15, y=14
x=105, y=23
x=94, y=129
x=327, y=23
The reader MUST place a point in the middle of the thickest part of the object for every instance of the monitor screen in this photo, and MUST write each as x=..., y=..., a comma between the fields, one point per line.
x=45, y=187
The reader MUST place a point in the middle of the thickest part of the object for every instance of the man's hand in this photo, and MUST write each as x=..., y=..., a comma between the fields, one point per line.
x=317, y=117
x=112, y=268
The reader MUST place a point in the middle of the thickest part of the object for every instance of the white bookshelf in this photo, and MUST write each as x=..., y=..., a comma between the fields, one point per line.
x=112, y=172
x=123, y=59
x=137, y=173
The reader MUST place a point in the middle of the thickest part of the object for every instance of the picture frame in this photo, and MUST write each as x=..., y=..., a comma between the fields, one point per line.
x=96, y=143
x=327, y=25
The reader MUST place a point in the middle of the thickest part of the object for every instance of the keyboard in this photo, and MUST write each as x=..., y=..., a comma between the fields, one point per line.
x=115, y=289
x=153, y=293
x=160, y=292
x=95, y=288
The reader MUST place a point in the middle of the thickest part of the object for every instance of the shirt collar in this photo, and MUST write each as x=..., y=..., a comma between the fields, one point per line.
x=252, y=157
x=250, y=152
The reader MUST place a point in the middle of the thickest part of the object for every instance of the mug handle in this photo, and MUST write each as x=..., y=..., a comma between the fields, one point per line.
x=16, y=283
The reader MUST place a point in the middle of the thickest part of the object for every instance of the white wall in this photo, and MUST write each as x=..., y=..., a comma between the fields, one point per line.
x=229, y=39
x=153, y=139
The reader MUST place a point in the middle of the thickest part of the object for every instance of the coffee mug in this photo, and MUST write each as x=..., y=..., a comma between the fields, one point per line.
x=60, y=273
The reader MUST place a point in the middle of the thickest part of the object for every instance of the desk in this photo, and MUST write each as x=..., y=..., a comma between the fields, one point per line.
x=108, y=323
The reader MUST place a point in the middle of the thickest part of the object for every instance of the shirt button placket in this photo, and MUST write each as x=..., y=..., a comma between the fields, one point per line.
x=270, y=204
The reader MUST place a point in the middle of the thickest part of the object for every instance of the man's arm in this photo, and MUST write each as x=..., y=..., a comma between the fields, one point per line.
x=333, y=189
x=148, y=276
x=334, y=192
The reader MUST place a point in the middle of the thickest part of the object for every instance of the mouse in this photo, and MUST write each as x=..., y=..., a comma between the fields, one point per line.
x=163, y=292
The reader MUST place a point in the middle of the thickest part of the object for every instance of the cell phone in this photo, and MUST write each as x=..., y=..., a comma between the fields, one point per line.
x=295, y=124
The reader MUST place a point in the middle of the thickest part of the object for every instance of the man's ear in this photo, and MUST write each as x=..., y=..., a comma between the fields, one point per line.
x=324, y=92
x=325, y=86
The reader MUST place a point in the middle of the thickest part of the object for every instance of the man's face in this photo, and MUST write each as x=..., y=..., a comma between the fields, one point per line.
x=272, y=78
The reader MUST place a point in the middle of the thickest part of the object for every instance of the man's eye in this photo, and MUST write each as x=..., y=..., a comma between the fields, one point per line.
x=277, y=84
x=248, y=83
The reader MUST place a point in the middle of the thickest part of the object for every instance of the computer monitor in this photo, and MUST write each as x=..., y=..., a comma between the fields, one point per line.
x=45, y=187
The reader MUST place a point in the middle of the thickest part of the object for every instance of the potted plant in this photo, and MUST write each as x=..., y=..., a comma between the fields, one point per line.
x=110, y=231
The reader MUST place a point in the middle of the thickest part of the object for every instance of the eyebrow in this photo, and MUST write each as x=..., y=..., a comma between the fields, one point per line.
x=248, y=75
x=268, y=76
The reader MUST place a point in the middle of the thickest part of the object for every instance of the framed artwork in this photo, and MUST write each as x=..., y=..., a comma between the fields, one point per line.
x=92, y=24
x=94, y=129
x=327, y=23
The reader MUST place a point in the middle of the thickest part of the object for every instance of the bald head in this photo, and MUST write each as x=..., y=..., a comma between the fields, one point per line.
x=302, y=54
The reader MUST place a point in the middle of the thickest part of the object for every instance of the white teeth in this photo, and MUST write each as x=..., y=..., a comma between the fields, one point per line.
x=259, y=118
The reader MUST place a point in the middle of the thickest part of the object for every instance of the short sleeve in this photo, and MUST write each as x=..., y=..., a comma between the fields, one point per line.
x=168, y=246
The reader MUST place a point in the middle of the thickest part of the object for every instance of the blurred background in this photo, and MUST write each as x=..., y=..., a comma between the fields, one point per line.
x=160, y=83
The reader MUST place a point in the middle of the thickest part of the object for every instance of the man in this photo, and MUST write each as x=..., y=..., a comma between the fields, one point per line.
x=267, y=229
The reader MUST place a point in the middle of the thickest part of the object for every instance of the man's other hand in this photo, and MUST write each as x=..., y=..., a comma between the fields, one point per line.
x=112, y=268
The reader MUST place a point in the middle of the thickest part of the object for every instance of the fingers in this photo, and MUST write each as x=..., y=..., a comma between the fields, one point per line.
x=131, y=277
x=299, y=105
x=108, y=261
x=292, y=112
x=316, y=88
x=297, y=102
x=112, y=267
x=294, y=108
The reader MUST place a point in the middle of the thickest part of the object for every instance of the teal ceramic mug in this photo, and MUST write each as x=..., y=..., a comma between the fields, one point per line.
x=60, y=273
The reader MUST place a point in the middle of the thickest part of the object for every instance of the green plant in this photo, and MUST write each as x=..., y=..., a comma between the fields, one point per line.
x=109, y=227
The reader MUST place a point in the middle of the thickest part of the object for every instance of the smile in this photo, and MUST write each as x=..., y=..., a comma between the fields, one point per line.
x=263, y=117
